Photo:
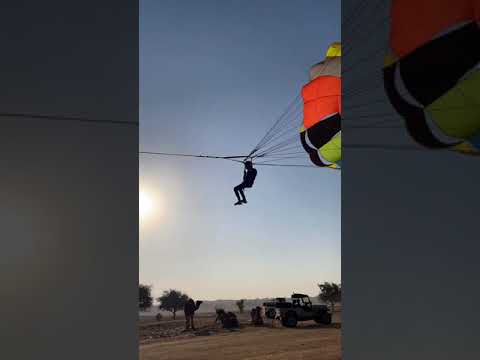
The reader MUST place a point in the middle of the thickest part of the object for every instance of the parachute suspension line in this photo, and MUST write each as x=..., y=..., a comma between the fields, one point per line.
x=291, y=109
x=275, y=145
x=275, y=134
x=295, y=125
x=359, y=90
x=67, y=118
x=275, y=130
x=382, y=48
x=231, y=158
x=278, y=146
x=282, y=144
x=287, y=165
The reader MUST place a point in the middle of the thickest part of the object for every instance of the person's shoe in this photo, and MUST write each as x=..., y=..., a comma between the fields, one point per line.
x=238, y=203
x=244, y=201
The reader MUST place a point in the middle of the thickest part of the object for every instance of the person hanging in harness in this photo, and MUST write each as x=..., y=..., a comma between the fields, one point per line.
x=249, y=175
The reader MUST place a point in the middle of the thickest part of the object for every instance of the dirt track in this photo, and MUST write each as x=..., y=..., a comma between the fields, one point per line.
x=308, y=341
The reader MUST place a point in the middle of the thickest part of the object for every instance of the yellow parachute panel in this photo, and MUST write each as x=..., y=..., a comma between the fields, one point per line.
x=334, y=50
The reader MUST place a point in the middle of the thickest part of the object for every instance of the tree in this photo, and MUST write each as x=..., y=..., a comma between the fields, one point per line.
x=145, y=299
x=172, y=301
x=241, y=305
x=330, y=293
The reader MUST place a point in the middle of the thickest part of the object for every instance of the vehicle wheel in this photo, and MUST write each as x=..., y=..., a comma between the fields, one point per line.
x=324, y=319
x=290, y=320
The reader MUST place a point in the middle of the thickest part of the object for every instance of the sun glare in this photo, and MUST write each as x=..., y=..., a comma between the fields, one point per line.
x=145, y=205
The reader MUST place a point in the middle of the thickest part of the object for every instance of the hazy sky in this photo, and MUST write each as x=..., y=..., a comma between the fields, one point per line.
x=214, y=76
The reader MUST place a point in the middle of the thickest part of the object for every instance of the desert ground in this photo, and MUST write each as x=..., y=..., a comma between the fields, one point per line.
x=168, y=340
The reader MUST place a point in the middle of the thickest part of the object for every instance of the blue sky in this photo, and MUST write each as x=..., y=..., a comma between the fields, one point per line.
x=214, y=76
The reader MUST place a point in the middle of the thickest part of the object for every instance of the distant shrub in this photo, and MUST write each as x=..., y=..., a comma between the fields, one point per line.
x=241, y=305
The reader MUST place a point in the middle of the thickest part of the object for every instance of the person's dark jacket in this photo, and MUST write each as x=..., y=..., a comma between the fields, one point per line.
x=189, y=308
x=249, y=177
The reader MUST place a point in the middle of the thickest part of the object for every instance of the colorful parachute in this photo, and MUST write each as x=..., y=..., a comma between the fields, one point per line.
x=321, y=133
x=432, y=73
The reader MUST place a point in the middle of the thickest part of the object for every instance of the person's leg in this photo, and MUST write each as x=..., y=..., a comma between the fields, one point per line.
x=239, y=193
x=191, y=319
x=236, y=190
x=187, y=322
x=242, y=194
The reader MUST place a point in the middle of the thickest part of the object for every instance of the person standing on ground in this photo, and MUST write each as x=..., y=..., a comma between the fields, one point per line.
x=189, y=309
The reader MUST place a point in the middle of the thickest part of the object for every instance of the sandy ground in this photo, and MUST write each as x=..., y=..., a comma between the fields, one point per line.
x=167, y=340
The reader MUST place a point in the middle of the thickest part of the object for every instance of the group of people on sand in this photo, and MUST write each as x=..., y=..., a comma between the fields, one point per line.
x=256, y=315
x=228, y=319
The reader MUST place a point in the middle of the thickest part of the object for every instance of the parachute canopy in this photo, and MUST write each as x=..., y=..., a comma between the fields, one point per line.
x=321, y=131
x=432, y=74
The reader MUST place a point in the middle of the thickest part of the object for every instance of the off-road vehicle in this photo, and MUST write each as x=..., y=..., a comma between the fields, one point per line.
x=300, y=309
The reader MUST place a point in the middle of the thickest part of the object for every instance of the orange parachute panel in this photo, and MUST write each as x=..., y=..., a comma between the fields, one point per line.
x=427, y=18
x=321, y=98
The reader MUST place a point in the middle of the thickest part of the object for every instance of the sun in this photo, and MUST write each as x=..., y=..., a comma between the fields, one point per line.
x=145, y=204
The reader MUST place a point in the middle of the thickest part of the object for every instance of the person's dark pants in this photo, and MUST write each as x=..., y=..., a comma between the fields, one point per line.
x=189, y=322
x=239, y=191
